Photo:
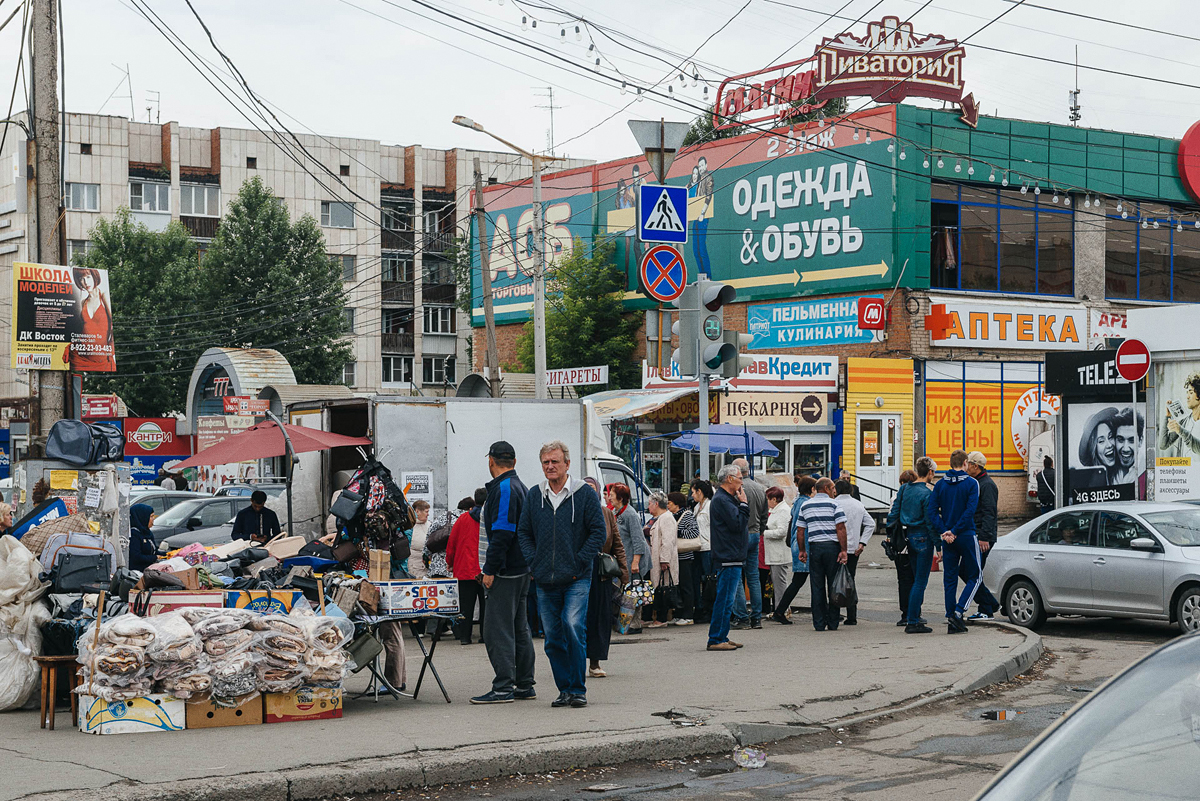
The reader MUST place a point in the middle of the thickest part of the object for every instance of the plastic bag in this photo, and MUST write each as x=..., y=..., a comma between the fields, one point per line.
x=328, y=633
x=844, y=593
x=128, y=629
x=278, y=624
x=226, y=644
x=328, y=669
x=175, y=639
x=280, y=680
x=223, y=622
x=233, y=676
x=19, y=674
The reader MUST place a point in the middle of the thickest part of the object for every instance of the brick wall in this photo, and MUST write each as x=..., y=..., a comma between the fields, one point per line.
x=1013, y=501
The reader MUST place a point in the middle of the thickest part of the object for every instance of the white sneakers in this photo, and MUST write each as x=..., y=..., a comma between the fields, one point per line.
x=682, y=621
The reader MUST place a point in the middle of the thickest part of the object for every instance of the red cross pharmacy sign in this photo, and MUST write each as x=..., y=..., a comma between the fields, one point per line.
x=663, y=273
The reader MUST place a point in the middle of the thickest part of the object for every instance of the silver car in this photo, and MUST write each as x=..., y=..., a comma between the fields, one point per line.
x=1129, y=559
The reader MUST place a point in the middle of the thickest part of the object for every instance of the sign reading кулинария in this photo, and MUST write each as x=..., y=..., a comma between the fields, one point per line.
x=810, y=322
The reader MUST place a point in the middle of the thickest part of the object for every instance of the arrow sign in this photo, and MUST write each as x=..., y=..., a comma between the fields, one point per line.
x=838, y=273
x=792, y=278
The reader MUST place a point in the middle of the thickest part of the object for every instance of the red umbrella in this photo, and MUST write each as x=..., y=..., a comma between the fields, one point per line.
x=264, y=440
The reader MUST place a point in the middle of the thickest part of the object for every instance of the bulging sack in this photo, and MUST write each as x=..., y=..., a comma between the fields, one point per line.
x=844, y=593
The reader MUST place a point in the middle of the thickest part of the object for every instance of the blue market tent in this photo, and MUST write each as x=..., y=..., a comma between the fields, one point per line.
x=727, y=439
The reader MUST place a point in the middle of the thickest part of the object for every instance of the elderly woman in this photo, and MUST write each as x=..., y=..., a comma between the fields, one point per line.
x=805, y=485
x=687, y=543
x=776, y=548
x=629, y=524
x=664, y=557
x=603, y=592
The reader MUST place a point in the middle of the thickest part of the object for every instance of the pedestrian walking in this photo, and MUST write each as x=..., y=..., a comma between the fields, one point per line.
x=561, y=531
x=702, y=492
x=756, y=499
x=603, y=590
x=823, y=524
x=664, y=559
x=896, y=548
x=505, y=575
x=1045, y=485
x=910, y=511
x=629, y=524
x=729, y=531
x=859, y=528
x=687, y=540
x=985, y=530
x=777, y=548
x=952, y=513
x=805, y=487
x=462, y=552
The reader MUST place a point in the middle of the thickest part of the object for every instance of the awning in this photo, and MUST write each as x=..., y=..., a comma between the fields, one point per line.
x=621, y=404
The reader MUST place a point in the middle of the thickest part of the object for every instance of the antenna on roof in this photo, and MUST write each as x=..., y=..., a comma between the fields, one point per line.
x=1073, y=103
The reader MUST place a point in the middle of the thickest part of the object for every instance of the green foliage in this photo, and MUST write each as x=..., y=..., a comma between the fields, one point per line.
x=586, y=321
x=702, y=129
x=271, y=284
x=153, y=284
x=459, y=255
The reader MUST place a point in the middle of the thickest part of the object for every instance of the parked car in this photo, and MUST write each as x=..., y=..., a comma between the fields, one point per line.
x=194, y=515
x=1134, y=738
x=246, y=490
x=1130, y=559
x=213, y=535
x=160, y=500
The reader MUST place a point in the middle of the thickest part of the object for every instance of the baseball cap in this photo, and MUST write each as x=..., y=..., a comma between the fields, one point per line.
x=501, y=450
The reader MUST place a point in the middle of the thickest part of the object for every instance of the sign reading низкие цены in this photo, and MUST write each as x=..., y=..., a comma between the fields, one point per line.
x=808, y=322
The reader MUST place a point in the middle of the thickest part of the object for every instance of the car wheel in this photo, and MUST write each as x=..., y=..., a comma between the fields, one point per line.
x=1187, y=610
x=1023, y=605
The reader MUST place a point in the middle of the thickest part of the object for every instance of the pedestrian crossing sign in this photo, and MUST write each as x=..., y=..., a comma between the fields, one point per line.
x=662, y=214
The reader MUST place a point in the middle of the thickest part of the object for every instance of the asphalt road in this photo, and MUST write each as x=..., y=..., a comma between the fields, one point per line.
x=942, y=751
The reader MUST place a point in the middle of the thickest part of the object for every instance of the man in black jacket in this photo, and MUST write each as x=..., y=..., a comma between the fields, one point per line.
x=985, y=529
x=506, y=577
x=729, y=534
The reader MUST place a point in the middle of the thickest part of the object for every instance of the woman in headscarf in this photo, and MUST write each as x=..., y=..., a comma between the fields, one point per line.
x=143, y=551
x=603, y=591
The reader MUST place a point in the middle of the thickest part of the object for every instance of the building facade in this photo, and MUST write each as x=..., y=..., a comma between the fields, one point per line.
x=389, y=214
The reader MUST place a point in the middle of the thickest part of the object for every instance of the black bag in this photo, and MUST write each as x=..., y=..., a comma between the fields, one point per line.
x=74, y=571
x=708, y=590
x=108, y=443
x=318, y=550
x=401, y=549
x=60, y=637
x=439, y=537
x=70, y=441
x=610, y=568
x=844, y=593
x=667, y=595
x=348, y=506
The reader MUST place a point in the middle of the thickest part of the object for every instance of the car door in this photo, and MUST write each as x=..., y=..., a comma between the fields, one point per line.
x=1061, y=551
x=1125, y=580
x=215, y=513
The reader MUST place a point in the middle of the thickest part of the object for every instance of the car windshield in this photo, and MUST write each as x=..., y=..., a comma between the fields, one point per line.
x=179, y=513
x=1180, y=527
x=1138, y=738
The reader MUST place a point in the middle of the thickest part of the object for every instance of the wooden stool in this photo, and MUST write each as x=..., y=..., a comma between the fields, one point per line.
x=50, y=666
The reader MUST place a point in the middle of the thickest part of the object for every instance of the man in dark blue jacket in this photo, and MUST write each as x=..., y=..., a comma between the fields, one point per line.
x=952, y=517
x=561, y=531
x=729, y=535
x=506, y=577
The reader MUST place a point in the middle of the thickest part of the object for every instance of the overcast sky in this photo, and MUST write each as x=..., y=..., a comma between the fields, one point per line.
x=397, y=71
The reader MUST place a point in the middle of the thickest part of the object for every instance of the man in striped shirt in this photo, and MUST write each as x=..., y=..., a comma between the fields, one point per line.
x=822, y=523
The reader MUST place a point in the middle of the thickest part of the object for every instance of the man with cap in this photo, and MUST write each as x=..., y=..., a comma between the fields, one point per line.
x=506, y=577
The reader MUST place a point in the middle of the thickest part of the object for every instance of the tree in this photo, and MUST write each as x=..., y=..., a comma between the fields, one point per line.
x=153, y=281
x=285, y=291
x=703, y=130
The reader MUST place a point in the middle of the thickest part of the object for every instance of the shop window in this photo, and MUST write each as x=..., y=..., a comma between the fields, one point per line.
x=1152, y=252
x=809, y=458
x=994, y=240
x=774, y=464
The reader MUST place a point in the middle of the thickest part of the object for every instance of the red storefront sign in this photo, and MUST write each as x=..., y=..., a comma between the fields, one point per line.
x=153, y=436
x=871, y=314
x=243, y=404
x=95, y=406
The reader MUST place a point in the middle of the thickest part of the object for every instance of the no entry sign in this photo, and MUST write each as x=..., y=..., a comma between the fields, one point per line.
x=1133, y=360
x=663, y=273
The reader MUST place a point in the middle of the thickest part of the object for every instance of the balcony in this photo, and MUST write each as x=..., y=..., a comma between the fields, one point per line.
x=438, y=293
x=201, y=227
x=397, y=239
x=396, y=343
x=397, y=293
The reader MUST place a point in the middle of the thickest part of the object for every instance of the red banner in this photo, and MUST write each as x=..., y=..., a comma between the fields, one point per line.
x=153, y=436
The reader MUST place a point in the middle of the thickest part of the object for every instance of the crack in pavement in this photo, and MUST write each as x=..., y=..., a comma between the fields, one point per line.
x=23, y=755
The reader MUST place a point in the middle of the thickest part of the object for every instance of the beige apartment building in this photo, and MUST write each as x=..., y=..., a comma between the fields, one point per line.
x=389, y=214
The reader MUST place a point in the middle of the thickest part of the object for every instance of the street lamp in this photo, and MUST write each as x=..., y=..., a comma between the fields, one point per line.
x=539, y=275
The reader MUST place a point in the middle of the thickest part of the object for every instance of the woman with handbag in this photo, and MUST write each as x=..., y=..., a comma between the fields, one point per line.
x=609, y=566
x=777, y=552
x=687, y=546
x=702, y=492
x=664, y=560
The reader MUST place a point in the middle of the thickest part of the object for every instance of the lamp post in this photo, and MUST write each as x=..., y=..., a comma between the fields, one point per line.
x=539, y=275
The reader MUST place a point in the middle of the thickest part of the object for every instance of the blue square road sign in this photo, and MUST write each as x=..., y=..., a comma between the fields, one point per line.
x=662, y=214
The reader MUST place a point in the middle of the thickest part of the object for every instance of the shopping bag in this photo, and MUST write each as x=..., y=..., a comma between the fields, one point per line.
x=844, y=594
x=629, y=620
x=666, y=595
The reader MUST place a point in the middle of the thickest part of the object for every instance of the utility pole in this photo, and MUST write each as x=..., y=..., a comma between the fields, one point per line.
x=491, y=358
x=52, y=386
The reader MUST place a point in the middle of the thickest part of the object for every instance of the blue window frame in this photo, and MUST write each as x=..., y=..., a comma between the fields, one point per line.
x=1152, y=252
x=988, y=239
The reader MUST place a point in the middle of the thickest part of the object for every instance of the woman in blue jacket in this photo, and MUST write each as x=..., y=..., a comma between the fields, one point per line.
x=143, y=551
x=805, y=485
x=911, y=509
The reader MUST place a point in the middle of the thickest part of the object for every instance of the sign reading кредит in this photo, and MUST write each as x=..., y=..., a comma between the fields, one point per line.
x=807, y=322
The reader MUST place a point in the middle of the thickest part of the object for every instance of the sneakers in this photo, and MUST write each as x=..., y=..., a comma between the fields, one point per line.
x=756, y=622
x=917, y=628
x=740, y=624
x=955, y=625
x=778, y=618
x=493, y=697
x=981, y=616
x=682, y=621
x=596, y=673
x=654, y=624
x=722, y=646
x=563, y=699
x=525, y=695
x=578, y=701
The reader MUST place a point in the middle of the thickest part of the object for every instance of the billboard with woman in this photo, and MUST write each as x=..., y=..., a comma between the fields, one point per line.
x=1106, y=452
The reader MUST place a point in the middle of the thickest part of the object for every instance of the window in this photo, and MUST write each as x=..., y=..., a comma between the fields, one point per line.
x=349, y=312
x=439, y=320
x=145, y=196
x=348, y=267
x=199, y=200
x=998, y=240
x=348, y=373
x=774, y=464
x=214, y=514
x=1152, y=252
x=85, y=148
x=397, y=267
x=397, y=321
x=1072, y=528
x=437, y=270
x=345, y=169
x=251, y=163
x=437, y=370
x=83, y=197
x=77, y=247
x=1118, y=530
x=437, y=228
x=336, y=214
x=397, y=369
x=397, y=215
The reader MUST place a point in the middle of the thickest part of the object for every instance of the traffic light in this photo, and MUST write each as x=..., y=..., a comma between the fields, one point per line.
x=735, y=362
x=687, y=328
x=714, y=350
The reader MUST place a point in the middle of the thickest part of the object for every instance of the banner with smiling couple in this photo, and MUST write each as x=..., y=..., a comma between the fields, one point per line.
x=62, y=319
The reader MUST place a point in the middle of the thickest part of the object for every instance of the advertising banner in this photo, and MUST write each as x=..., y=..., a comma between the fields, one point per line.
x=1105, y=451
x=62, y=319
x=242, y=404
x=773, y=409
x=784, y=373
x=100, y=406
x=153, y=436
x=1177, y=416
x=1106, y=325
x=809, y=322
x=965, y=323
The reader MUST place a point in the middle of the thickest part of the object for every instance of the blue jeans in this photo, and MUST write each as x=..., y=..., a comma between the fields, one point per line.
x=700, y=247
x=920, y=554
x=753, y=584
x=728, y=582
x=960, y=559
x=564, y=621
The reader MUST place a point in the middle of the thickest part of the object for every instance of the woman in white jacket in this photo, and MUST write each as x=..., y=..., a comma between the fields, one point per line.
x=776, y=549
x=664, y=556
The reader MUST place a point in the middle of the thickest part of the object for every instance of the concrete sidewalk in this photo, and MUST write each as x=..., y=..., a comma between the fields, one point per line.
x=665, y=697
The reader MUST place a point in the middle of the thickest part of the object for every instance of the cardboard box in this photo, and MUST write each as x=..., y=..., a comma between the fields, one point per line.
x=304, y=703
x=418, y=597
x=157, y=712
x=368, y=596
x=380, y=565
x=189, y=577
x=272, y=602
x=204, y=714
x=168, y=600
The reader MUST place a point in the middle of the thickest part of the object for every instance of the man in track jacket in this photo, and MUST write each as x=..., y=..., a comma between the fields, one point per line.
x=952, y=517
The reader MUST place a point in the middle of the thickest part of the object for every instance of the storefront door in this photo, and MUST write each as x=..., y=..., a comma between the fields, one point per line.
x=877, y=463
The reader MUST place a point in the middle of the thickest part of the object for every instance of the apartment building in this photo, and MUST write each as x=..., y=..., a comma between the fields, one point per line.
x=389, y=214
